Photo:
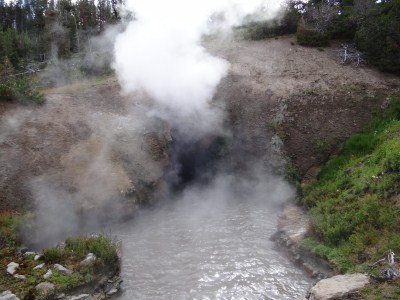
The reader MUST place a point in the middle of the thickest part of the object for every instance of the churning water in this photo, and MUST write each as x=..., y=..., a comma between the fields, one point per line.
x=207, y=245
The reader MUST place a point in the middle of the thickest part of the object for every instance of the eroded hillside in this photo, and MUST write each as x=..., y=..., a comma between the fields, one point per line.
x=304, y=95
x=278, y=96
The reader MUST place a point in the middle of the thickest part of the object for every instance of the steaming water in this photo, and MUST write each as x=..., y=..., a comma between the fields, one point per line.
x=209, y=249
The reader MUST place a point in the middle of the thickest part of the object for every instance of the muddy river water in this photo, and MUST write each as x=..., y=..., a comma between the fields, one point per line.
x=207, y=245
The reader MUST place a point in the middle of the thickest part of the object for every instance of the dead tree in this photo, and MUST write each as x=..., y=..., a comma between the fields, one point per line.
x=350, y=55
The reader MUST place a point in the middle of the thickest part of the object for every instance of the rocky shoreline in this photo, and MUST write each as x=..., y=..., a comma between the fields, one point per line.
x=293, y=225
x=63, y=272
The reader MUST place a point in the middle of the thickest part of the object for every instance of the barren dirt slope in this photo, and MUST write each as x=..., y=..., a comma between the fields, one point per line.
x=87, y=144
x=278, y=95
x=305, y=95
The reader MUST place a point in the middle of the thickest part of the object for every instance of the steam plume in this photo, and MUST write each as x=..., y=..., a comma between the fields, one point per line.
x=161, y=53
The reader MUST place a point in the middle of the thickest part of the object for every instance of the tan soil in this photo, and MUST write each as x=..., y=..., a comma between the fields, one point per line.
x=276, y=92
x=86, y=136
x=305, y=95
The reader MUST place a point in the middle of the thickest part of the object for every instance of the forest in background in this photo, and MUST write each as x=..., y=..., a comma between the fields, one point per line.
x=41, y=33
x=40, y=29
x=372, y=26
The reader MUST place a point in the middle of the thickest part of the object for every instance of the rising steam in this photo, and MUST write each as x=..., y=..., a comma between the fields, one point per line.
x=161, y=53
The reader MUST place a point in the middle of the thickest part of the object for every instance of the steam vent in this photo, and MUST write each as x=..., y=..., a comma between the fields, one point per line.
x=223, y=149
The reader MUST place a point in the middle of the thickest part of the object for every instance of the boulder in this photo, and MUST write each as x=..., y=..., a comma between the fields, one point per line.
x=112, y=292
x=338, y=286
x=38, y=267
x=7, y=295
x=45, y=288
x=48, y=274
x=81, y=297
x=37, y=257
x=12, y=267
x=89, y=260
x=62, y=270
x=99, y=296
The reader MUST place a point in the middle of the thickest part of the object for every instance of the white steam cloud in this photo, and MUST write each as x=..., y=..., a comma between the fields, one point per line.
x=161, y=53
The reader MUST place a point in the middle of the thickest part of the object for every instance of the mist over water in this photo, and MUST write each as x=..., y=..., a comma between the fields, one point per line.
x=211, y=243
x=210, y=240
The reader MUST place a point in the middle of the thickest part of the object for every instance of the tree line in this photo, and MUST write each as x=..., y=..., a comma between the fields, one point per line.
x=373, y=26
x=38, y=29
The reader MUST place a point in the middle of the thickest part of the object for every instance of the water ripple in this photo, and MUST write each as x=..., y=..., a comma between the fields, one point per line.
x=175, y=253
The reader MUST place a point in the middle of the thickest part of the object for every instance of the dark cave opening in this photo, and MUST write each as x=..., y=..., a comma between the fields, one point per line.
x=193, y=160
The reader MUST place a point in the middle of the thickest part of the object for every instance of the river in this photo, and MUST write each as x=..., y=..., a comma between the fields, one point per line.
x=211, y=243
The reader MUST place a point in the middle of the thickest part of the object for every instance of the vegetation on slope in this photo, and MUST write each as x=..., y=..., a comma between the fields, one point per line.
x=23, y=90
x=69, y=254
x=355, y=201
x=372, y=26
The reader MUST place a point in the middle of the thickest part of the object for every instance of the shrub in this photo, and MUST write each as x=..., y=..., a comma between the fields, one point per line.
x=287, y=24
x=307, y=36
x=54, y=255
x=102, y=246
x=10, y=224
x=379, y=36
x=23, y=90
x=352, y=206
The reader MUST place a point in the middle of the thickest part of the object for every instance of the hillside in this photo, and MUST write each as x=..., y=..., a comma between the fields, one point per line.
x=304, y=95
x=279, y=97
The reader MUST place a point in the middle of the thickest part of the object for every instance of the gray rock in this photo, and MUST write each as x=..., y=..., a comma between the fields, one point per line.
x=89, y=260
x=62, y=270
x=81, y=297
x=21, y=277
x=45, y=288
x=99, y=296
x=338, y=286
x=112, y=292
x=12, y=267
x=37, y=257
x=48, y=274
x=29, y=253
x=38, y=267
x=7, y=295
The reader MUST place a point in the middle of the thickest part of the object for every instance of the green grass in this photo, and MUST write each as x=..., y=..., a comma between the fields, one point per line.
x=10, y=224
x=354, y=203
x=69, y=254
x=23, y=90
x=76, y=249
x=76, y=279
x=387, y=291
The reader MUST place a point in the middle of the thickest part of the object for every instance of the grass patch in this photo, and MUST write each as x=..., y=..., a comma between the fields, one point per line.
x=76, y=248
x=354, y=203
x=389, y=291
x=73, y=281
x=10, y=225
x=101, y=245
x=68, y=254
x=23, y=90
